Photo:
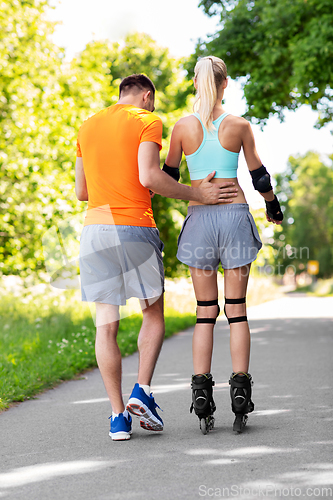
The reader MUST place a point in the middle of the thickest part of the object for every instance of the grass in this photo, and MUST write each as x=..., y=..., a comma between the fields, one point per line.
x=45, y=340
x=47, y=336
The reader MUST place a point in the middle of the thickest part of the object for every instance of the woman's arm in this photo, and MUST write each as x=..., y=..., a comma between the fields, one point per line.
x=175, y=150
x=251, y=156
x=260, y=176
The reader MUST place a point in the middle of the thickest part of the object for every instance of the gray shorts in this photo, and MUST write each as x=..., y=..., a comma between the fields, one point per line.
x=218, y=233
x=120, y=262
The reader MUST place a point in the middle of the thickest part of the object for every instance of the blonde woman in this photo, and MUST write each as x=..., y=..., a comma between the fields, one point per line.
x=211, y=139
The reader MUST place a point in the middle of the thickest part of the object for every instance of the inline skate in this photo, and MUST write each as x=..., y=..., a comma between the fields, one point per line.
x=202, y=400
x=241, y=404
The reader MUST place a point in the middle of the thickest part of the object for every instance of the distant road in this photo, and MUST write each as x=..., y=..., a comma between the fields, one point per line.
x=293, y=306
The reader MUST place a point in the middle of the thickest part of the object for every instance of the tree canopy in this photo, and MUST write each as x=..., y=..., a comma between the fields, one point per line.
x=283, y=49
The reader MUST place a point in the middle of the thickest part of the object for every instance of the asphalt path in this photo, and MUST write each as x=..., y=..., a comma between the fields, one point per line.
x=57, y=447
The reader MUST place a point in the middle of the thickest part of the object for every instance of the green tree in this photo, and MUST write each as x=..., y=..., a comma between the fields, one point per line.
x=43, y=102
x=29, y=118
x=283, y=49
x=305, y=190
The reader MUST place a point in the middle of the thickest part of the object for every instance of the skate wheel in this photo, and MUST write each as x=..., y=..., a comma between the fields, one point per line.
x=211, y=423
x=203, y=426
x=239, y=423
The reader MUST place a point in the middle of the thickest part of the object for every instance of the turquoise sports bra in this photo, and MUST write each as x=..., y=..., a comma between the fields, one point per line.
x=210, y=155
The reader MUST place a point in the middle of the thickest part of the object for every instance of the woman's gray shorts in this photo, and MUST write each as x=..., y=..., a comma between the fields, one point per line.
x=218, y=233
x=120, y=262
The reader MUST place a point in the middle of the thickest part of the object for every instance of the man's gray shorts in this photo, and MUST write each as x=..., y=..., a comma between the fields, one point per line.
x=218, y=233
x=120, y=262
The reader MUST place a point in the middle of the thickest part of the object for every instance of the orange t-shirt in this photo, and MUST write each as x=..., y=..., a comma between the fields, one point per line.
x=108, y=143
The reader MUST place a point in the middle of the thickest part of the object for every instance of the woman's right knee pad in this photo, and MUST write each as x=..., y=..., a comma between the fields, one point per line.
x=237, y=319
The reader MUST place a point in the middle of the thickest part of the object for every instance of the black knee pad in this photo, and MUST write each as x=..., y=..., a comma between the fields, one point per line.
x=237, y=319
x=208, y=303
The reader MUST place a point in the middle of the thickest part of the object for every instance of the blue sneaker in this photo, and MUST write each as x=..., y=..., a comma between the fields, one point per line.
x=143, y=406
x=121, y=427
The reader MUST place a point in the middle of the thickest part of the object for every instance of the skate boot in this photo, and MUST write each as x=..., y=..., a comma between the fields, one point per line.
x=202, y=400
x=241, y=404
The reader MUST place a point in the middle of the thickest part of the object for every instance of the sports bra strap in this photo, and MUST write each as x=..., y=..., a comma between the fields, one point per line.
x=203, y=128
x=216, y=122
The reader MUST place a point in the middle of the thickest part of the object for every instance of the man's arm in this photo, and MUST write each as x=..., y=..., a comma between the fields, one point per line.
x=80, y=180
x=153, y=178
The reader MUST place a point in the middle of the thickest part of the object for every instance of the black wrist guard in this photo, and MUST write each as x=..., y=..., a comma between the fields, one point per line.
x=273, y=209
x=261, y=180
x=173, y=172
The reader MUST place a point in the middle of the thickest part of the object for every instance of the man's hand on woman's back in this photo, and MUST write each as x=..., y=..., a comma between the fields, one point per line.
x=213, y=193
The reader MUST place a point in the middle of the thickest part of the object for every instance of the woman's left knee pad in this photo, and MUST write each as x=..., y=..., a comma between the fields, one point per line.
x=208, y=303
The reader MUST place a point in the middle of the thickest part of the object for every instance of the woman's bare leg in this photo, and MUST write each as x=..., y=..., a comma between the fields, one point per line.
x=235, y=286
x=205, y=288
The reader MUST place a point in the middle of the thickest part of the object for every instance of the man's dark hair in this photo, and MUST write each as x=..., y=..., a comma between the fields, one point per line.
x=135, y=83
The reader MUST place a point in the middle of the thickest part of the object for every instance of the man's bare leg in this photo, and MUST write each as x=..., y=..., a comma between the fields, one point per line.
x=150, y=338
x=108, y=354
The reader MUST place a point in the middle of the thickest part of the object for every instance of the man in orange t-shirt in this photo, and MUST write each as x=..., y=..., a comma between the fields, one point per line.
x=120, y=250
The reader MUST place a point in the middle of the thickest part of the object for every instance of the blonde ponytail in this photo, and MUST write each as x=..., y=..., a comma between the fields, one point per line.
x=209, y=72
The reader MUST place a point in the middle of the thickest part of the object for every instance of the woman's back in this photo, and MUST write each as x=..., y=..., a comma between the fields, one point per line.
x=229, y=139
x=229, y=133
x=190, y=134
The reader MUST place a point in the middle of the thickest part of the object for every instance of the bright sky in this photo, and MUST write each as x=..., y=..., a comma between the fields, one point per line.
x=177, y=24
